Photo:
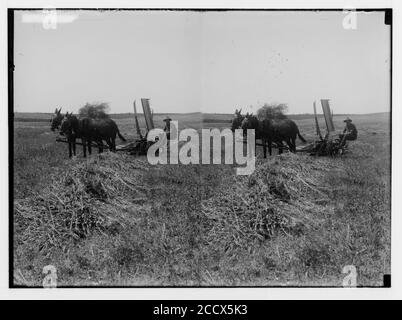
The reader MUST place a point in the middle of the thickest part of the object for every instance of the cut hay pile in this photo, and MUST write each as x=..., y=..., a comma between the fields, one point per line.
x=113, y=219
x=81, y=197
x=283, y=195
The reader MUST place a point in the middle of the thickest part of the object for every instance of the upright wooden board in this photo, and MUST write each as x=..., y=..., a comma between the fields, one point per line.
x=137, y=125
x=327, y=115
x=317, y=127
x=147, y=114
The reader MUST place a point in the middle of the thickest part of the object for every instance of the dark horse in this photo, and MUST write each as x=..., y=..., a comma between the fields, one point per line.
x=89, y=130
x=56, y=120
x=237, y=120
x=273, y=130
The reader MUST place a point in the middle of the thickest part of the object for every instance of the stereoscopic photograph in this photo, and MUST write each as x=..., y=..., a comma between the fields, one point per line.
x=200, y=148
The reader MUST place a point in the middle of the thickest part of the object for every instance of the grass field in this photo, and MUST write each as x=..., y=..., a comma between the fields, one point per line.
x=113, y=219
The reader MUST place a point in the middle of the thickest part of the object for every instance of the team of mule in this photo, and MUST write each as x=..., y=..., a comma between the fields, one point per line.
x=269, y=131
x=87, y=129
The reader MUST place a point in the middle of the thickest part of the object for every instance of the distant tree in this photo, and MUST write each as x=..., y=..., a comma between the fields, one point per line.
x=272, y=111
x=94, y=110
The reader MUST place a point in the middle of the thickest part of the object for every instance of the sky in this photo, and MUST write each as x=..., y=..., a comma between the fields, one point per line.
x=213, y=62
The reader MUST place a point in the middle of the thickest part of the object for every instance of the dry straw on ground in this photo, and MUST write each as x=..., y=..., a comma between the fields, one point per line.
x=82, y=197
x=284, y=195
x=295, y=214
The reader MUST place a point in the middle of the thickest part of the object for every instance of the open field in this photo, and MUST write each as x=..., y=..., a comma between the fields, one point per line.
x=113, y=219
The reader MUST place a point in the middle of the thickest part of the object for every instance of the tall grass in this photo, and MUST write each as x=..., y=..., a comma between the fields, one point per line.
x=113, y=219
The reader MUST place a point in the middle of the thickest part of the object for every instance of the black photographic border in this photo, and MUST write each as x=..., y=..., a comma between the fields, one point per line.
x=10, y=48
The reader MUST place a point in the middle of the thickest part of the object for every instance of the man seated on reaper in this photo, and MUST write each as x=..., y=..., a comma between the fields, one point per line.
x=350, y=131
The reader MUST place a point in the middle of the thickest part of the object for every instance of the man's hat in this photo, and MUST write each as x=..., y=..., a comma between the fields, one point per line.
x=167, y=119
x=347, y=120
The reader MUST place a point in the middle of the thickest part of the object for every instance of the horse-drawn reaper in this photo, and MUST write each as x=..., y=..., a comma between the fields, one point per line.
x=332, y=143
x=274, y=132
x=93, y=131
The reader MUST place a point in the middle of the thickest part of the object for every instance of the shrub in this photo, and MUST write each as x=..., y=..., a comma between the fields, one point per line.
x=272, y=111
x=94, y=110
